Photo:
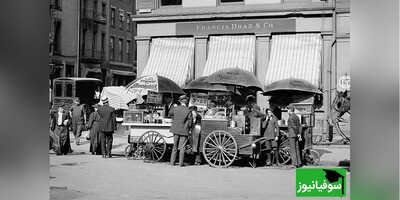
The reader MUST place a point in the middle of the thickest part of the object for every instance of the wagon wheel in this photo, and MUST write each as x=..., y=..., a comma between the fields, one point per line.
x=220, y=149
x=311, y=157
x=151, y=146
x=130, y=152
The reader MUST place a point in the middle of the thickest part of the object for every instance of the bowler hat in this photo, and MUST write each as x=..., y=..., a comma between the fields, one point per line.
x=228, y=103
x=250, y=98
x=96, y=105
x=183, y=98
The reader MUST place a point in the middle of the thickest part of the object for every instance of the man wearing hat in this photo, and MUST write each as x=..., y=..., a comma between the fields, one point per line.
x=78, y=119
x=272, y=135
x=294, y=129
x=252, y=111
x=60, y=128
x=182, y=120
x=107, y=126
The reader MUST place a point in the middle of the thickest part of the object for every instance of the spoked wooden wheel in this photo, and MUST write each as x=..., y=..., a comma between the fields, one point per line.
x=152, y=146
x=220, y=149
x=129, y=152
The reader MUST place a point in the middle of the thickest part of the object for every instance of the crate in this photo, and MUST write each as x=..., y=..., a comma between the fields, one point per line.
x=255, y=126
x=210, y=125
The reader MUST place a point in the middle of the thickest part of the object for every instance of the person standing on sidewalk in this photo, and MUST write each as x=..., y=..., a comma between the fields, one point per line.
x=195, y=134
x=78, y=119
x=181, y=123
x=60, y=126
x=107, y=126
x=93, y=125
x=294, y=128
x=272, y=135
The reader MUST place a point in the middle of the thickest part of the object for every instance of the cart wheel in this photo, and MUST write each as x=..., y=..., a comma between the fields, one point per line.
x=312, y=157
x=284, y=155
x=130, y=152
x=153, y=145
x=220, y=149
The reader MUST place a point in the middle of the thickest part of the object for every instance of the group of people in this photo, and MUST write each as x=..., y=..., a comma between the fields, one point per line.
x=101, y=123
x=186, y=127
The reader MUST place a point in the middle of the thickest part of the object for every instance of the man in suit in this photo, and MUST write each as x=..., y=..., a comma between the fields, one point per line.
x=272, y=134
x=195, y=133
x=78, y=119
x=181, y=123
x=107, y=126
x=294, y=128
x=60, y=128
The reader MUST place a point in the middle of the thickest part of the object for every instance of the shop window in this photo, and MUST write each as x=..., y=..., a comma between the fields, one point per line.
x=128, y=22
x=68, y=91
x=171, y=2
x=58, y=90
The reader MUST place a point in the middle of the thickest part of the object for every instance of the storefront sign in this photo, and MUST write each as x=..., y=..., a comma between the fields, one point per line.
x=236, y=26
x=344, y=82
x=154, y=97
x=199, y=100
x=144, y=4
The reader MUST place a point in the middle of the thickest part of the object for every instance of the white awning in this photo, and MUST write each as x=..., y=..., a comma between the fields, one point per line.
x=295, y=56
x=172, y=58
x=122, y=73
x=230, y=52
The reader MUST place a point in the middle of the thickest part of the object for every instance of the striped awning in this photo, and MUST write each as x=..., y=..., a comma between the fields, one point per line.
x=230, y=52
x=172, y=58
x=295, y=56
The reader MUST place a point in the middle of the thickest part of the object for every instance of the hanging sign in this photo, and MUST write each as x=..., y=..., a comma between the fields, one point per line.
x=344, y=82
x=199, y=100
x=154, y=97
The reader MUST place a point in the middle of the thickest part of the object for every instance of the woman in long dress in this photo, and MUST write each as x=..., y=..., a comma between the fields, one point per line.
x=94, y=131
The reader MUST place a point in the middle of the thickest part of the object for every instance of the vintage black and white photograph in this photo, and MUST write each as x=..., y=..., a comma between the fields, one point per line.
x=198, y=99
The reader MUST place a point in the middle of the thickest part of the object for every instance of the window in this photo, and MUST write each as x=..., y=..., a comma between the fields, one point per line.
x=128, y=22
x=112, y=40
x=128, y=50
x=103, y=41
x=171, y=2
x=56, y=4
x=94, y=43
x=120, y=49
x=58, y=90
x=68, y=91
x=112, y=17
x=103, y=11
x=84, y=31
x=57, y=38
x=121, y=19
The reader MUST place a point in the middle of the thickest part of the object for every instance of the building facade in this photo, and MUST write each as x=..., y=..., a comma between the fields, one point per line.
x=63, y=37
x=121, y=57
x=274, y=39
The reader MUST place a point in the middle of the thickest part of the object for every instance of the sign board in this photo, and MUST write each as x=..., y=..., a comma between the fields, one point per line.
x=143, y=85
x=236, y=26
x=144, y=4
x=154, y=97
x=344, y=82
x=199, y=100
x=219, y=98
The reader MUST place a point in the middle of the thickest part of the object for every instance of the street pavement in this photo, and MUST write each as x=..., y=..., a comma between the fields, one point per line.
x=330, y=154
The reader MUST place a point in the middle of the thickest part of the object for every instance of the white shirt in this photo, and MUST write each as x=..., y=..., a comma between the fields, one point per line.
x=59, y=120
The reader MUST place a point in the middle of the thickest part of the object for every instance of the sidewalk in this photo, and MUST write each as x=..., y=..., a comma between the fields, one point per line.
x=330, y=154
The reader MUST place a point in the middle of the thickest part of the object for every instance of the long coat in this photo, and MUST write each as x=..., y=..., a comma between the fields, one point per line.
x=61, y=133
x=294, y=126
x=93, y=125
x=107, y=122
x=182, y=120
x=271, y=128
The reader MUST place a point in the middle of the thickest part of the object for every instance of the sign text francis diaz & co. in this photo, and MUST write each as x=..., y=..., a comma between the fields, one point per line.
x=236, y=26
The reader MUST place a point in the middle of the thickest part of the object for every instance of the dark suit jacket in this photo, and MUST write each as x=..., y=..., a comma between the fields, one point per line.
x=65, y=116
x=271, y=128
x=181, y=120
x=107, y=122
x=294, y=126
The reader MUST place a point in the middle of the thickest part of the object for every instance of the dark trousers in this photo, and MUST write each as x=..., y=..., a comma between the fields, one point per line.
x=106, y=139
x=295, y=150
x=181, y=141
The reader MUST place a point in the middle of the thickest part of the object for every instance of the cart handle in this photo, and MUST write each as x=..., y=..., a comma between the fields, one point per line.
x=253, y=143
